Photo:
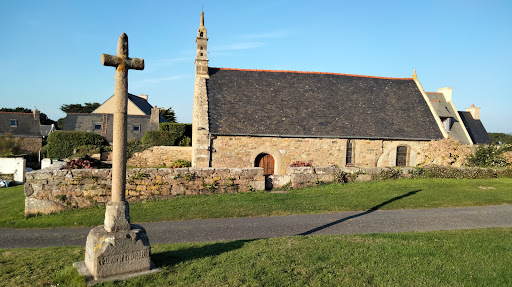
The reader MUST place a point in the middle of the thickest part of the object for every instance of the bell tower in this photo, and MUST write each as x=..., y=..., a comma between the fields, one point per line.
x=200, y=122
x=201, y=49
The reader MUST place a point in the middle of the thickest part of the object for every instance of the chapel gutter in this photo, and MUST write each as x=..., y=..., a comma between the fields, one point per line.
x=328, y=137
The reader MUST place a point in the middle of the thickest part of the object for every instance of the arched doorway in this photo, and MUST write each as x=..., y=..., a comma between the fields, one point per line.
x=265, y=161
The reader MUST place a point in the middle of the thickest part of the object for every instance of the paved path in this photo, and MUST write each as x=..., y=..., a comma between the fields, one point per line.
x=371, y=221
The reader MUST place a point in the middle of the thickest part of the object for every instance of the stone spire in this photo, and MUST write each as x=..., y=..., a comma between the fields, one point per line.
x=201, y=49
x=200, y=126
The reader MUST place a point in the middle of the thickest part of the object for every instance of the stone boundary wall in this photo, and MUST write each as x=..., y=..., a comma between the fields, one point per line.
x=54, y=188
x=308, y=176
x=159, y=156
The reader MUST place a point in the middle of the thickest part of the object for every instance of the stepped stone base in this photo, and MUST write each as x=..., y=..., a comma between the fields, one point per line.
x=117, y=253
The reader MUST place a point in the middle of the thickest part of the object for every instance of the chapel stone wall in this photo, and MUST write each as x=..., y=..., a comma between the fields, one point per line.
x=241, y=151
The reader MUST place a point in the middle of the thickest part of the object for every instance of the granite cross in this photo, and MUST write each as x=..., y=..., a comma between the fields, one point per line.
x=117, y=216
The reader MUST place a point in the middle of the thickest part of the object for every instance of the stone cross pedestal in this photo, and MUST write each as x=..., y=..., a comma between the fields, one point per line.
x=118, y=248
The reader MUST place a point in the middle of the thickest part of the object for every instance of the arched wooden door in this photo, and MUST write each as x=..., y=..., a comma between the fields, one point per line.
x=265, y=161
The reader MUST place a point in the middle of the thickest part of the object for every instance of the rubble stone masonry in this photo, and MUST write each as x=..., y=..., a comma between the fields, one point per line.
x=241, y=151
x=54, y=189
x=159, y=156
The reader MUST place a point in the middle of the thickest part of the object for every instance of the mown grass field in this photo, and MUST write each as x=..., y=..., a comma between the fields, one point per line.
x=479, y=257
x=391, y=194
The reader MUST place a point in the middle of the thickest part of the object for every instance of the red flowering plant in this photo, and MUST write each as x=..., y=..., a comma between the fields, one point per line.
x=300, y=164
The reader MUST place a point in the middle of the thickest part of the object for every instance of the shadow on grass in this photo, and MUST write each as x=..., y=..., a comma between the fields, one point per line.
x=170, y=258
x=376, y=207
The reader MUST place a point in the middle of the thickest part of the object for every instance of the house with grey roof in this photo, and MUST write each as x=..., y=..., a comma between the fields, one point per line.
x=271, y=119
x=474, y=126
x=141, y=117
x=24, y=126
x=465, y=127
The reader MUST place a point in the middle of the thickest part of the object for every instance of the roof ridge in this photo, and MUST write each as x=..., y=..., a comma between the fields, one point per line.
x=310, y=72
x=16, y=113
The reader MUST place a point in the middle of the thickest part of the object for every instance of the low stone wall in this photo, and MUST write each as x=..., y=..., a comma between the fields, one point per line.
x=308, y=176
x=54, y=189
x=160, y=156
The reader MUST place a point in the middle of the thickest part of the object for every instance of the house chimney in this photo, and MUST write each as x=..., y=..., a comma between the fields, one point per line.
x=37, y=115
x=475, y=112
x=447, y=93
x=154, y=118
x=145, y=97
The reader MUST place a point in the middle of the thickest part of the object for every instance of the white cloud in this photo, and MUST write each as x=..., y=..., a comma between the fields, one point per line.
x=266, y=35
x=236, y=46
x=157, y=80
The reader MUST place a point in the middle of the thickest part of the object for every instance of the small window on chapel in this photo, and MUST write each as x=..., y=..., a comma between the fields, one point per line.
x=350, y=153
x=201, y=48
x=201, y=34
x=97, y=126
x=136, y=128
x=13, y=123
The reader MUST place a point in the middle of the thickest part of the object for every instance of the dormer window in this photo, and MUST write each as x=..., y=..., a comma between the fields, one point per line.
x=447, y=123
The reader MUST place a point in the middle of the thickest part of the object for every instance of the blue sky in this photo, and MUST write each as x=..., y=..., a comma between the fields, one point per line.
x=51, y=49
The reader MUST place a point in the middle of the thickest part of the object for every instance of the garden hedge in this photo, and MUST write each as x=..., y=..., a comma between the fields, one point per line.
x=61, y=144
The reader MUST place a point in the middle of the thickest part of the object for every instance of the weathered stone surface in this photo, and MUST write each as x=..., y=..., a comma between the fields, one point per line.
x=160, y=156
x=113, y=253
x=117, y=216
x=363, y=178
x=35, y=206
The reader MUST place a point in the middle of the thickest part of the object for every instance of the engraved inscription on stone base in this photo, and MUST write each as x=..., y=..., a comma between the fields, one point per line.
x=115, y=253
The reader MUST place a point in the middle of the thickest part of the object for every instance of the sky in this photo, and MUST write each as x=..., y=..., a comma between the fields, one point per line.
x=51, y=49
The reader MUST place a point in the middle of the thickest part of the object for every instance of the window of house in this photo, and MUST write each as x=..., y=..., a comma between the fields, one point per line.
x=97, y=126
x=13, y=123
x=350, y=153
x=447, y=123
x=136, y=128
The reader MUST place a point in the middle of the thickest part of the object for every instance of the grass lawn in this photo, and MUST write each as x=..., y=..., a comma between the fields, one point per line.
x=391, y=194
x=480, y=257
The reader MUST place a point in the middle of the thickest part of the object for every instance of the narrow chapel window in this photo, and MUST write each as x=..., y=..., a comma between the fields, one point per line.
x=350, y=153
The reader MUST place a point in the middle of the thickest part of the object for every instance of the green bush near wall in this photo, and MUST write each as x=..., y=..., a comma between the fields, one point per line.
x=61, y=144
x=159, y=138
x=183, y=132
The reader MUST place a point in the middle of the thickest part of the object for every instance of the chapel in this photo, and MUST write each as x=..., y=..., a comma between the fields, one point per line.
x=271, y=119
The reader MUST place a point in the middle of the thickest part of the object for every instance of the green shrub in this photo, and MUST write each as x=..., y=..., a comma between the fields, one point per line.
x=186, y=141
x=9, y=146
x=390, y=173
x=488, y=156
x=183, y=132
x=181, y=163
x=134, y=146
x=159, y=138
x=61, y=144
x=86, y=150
x=439, y=171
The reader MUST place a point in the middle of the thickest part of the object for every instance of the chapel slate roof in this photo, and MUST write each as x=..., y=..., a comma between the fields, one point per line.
x=445, y=109
x=475, y=129
x=304, y=104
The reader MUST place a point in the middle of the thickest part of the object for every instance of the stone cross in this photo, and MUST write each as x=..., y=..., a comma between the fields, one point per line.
x=117, y=215
x=117, y=248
